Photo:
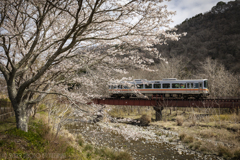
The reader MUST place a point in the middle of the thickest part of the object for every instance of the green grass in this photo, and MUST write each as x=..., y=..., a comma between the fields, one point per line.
x=34, y=137
x=7, y=124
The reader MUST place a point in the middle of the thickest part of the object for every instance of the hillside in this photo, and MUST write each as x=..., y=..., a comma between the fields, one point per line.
x=215, y=34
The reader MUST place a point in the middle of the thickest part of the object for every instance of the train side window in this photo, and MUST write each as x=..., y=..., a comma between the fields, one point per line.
x=175, y=85
x=188, y=85
x=157, y=86
x=200, y=85
x=110, y=87
x=148, y=85
x=166, y=85
x=119, y=86
x=191, y=85
x=182, y=85
x=139, y=86
x=125, y=87
x=196, y=85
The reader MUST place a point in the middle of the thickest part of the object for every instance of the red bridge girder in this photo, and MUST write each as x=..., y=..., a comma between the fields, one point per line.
x=205, y=103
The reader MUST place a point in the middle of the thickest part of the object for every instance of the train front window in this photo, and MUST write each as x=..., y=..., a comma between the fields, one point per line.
x=205, y=84
x=148, y=85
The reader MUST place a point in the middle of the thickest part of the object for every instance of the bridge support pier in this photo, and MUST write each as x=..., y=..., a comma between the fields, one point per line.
x=158, y=110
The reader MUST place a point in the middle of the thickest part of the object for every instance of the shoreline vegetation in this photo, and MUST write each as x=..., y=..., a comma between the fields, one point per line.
x=205, y=130
x=40, y=142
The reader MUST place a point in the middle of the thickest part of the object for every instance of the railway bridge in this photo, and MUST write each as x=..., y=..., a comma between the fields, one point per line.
x=160, y=104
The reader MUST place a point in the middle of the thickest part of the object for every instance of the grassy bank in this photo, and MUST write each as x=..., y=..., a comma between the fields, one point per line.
x=40, y=143
x=210, y=131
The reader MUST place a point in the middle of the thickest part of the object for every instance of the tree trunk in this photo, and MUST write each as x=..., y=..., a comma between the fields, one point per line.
x=22, y=117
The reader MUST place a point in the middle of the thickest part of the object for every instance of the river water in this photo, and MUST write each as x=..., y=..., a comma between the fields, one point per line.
x=143, y=143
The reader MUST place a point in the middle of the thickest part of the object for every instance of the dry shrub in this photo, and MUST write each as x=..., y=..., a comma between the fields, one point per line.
x=237, y=153
x=224, y=151
x=193, y=120
x=207, y=148
x=188, y=139
x=66, y=134
x=145, y=119
x=187, y=124
x=223, y=117
x=208, y=133
x=235, y=117
x=195, y=145
x=106, y=153
x=80, y=140
x=182, y=136
x=179, y=120
x=235, y=127
x=123, y=155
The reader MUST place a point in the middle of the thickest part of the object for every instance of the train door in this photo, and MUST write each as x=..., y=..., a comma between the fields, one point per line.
x=200, y=88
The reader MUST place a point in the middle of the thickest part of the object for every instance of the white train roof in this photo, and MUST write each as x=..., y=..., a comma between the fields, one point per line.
x=168, y=80
x=165, y=80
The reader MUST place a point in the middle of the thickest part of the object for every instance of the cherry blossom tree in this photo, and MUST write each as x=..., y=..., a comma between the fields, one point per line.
x=222, y=83
x=49, y=46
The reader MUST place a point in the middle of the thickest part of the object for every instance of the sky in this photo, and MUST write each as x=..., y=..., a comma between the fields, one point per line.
x=189, y=8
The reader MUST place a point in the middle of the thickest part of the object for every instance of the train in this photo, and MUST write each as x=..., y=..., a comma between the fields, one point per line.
x=166, y=88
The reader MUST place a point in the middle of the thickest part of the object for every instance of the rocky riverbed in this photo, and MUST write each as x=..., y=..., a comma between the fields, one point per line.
x=143, y=142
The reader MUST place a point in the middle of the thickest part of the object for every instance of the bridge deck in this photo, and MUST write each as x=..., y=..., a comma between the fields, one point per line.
x=206, y=103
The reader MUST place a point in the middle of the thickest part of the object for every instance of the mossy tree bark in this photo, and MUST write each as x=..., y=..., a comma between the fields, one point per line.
x=22, y=117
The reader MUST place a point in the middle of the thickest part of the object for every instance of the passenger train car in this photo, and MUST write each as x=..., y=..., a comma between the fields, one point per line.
x=166, y=88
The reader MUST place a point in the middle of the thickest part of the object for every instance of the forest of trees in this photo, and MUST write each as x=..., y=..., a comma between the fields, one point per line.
x=214, y=34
